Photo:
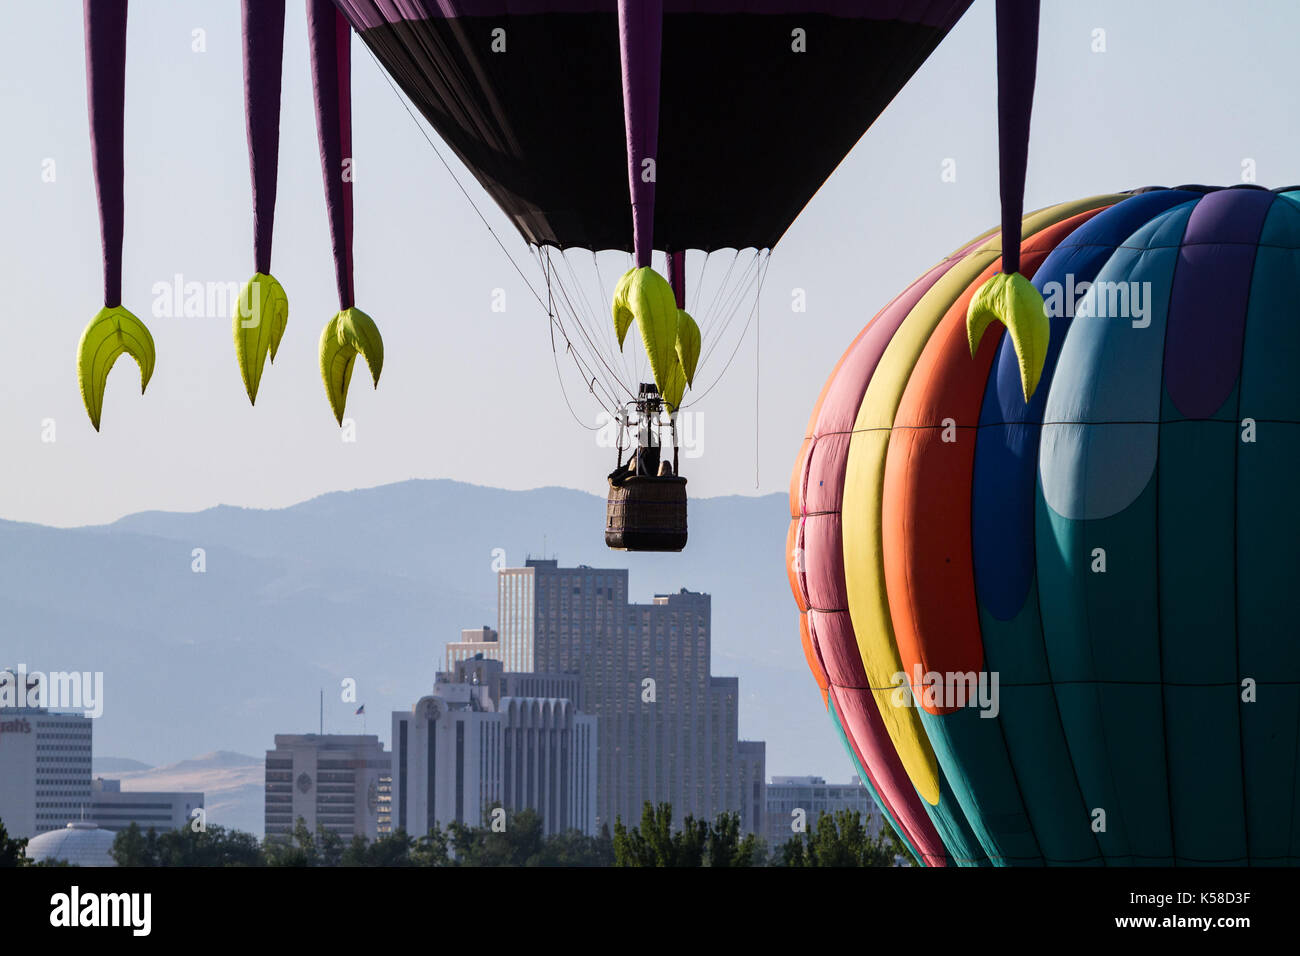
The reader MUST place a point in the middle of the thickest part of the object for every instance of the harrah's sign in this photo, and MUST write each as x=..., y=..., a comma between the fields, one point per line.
x=15, y=727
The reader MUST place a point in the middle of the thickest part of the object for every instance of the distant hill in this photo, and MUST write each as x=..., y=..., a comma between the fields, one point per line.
x=367, y=584
x=231, y=784
x=103, y=766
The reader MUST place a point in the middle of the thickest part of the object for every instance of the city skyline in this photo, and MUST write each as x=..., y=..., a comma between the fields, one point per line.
x=961, y=334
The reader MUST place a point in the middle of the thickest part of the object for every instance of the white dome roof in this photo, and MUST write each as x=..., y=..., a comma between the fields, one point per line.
x=81, y=844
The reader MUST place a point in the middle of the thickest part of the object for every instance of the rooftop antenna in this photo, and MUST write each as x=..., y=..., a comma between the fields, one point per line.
x=322, y=711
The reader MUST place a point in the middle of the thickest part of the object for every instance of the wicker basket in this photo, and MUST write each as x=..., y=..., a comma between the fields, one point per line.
x=646, y=514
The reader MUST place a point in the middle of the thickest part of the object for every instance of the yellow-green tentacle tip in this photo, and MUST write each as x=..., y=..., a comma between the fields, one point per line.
x=350, y=333
x=622, y=312
x=674, y=387
x=261, y=314
x=688, y=345
x=645, y=296
x=1013, y=301
x=112, y=332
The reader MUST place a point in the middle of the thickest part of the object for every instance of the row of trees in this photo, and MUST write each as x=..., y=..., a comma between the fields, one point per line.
x=842, y=840
x=12, y=852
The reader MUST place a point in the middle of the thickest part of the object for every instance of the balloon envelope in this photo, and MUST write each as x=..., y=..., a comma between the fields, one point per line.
x=759, y=102
x=1087, y=598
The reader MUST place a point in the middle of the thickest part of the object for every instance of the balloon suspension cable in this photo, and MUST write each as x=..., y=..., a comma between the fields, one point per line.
x=613, y=382
x=730, y=305
x=766, y=257
x=447, y=166
x=550, y=311
x=598, y=350
x=556, y=359
x=718, y=302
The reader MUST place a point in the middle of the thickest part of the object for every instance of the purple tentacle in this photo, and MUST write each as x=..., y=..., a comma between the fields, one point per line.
x=263, y=22
x=105, y=95
x=331, y=65
x=640, y=30
x=677, y=276
x=1017, y=67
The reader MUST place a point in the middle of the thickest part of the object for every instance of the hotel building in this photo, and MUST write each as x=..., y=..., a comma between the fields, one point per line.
x=44, y=766
x=485, y=738
x=667, y=728
x=337, y=781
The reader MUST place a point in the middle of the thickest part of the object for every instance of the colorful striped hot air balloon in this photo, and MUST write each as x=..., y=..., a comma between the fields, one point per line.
x=1062, y=630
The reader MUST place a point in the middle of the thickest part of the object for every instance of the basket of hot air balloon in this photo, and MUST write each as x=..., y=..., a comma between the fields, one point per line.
x=646, y=508
x=646, y=513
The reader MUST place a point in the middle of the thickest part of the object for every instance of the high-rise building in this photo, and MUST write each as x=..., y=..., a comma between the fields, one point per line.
x=667, y=728
x=813, y=796
x=474, y=642
x=44, y=765
x=113, y=808
x=337, y=781
x=481, y=739
x=751, y=760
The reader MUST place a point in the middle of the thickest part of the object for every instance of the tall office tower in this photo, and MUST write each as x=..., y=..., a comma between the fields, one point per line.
x=667, y=729
x=471, y=744
x=474, y=642
x=44, y=763
x=334, y=780
x=751, y=756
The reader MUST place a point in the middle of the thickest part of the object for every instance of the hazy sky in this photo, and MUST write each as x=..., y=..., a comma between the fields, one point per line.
x=1184, y=92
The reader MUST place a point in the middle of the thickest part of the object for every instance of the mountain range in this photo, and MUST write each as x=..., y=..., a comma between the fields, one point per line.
x=232, y=784
x=217, y=629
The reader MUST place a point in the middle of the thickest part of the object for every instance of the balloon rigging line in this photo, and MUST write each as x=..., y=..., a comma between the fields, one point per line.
x=718, y=327
x=560, y=378
x=699, y=279
x=575, y=314
x=731, y=304
x=585, y=332
x=630, y=374
x=766, y=260
x=583, y=367
x=610, y=403
x=600, y=354
x=726, y=276
x=552, y=281
x=487, y=225
x=605, y=327
x=454, y=179
x=731, y=307
x=553, y=313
